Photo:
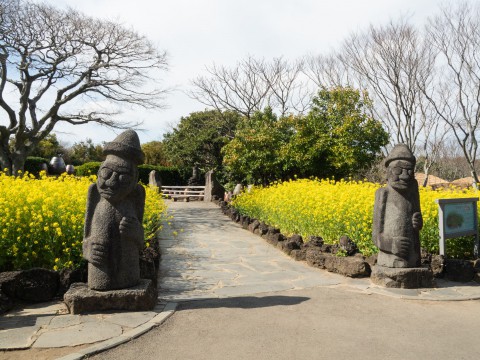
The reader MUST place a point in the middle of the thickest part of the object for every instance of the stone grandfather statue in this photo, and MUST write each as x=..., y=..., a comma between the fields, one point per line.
x=397, y=218
x=114, y=234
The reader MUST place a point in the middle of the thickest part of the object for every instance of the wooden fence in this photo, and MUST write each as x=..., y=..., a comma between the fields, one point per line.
x=183, y=192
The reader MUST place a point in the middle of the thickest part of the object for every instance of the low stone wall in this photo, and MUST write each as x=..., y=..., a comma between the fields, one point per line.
x=344, y=257
x=40, y=285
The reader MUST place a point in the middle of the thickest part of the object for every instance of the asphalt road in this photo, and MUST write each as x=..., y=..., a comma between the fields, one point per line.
x=317, y=323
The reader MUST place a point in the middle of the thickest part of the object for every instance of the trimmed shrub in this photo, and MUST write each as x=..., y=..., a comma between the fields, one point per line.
x=87, y=169
x=33, y=165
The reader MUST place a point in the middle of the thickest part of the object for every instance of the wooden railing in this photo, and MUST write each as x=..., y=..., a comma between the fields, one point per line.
x=183, y=192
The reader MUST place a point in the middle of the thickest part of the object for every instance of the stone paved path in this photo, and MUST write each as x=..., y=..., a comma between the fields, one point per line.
x=214, y=257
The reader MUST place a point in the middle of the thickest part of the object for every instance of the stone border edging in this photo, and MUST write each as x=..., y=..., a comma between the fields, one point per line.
x=354, y=265
x=159, y=319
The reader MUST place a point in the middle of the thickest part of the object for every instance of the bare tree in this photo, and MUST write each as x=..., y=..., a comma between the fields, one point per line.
x=242, y=88
x=253, y=84
x=53, y=62
x=289, y=89
x=328, y=71
x=394, y=62
x=431, y=143
x=455, y=34
x=389, y=60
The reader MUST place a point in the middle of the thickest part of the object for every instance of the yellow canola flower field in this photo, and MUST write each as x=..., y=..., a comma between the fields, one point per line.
x=41, y=220
x=331, y=209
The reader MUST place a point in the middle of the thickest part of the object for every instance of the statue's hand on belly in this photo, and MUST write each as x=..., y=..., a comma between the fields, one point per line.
x=96, y=253
x=401, y=246
x=130, y=228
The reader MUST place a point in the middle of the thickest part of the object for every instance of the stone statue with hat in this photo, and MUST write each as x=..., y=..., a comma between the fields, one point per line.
x=114, y=234
x=397, y=221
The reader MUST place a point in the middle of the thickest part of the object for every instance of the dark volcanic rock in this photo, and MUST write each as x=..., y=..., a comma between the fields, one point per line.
x=262, y=229
x=5, y=303
x=299, y=255
x=314, y=241
x=274, y=239
x=352, y=266
x=316, y=258
x=69, y=276
x=372, y=260
x=348, y=245
x=459, y=270
x=437, y=265
x=245, y=222
x=326, y=248
x=35, y=285
x=253, y=225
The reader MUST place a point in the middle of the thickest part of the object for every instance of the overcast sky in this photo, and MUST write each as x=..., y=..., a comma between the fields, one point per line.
x=196, y=33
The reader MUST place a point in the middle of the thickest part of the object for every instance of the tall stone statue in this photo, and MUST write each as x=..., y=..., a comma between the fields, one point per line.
x=114, y=234
x=397, y=221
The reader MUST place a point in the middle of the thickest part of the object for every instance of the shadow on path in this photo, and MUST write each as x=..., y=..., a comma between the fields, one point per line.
x=243, y=302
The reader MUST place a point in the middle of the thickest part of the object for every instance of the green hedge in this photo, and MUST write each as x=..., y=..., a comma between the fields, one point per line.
x=33, y=165
x=169, y=175
x=90, y=168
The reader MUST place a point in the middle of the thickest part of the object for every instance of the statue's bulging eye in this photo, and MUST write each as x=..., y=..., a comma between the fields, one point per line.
x=105, y=173
x=125, y=178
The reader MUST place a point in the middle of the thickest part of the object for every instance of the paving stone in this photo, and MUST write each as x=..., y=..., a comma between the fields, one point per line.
x=51, y=307
x=18, y=338
x=86, y=333
x=63, y=321
x=130, y=319
x=314, y=282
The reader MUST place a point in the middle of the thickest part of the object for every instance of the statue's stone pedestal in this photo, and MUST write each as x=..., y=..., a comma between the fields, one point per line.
x=80, y=299
x=406, y=278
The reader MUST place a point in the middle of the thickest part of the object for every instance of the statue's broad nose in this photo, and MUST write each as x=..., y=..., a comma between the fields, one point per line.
x=112, y=180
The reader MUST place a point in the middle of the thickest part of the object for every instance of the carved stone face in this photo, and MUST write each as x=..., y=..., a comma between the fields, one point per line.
x=400, y=174
x=117, y=177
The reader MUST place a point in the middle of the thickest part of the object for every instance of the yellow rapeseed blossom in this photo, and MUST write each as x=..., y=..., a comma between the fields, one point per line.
x=331, y=209
x=41, y=220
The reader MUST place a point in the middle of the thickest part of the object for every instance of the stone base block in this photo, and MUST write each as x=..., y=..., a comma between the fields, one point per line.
x=406, y=278
x=80, y=299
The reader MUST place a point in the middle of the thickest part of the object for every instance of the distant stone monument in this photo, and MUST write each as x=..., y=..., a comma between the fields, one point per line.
x=155, y=181
x=212, y=187
x=114, y=234
x=194, y=180
x=238, y=189
x=397, y=221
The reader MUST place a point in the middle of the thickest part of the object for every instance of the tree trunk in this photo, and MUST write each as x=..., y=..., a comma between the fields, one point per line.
x=475, y=178
x=426, y=170
x=18, y=162
x=5, y=163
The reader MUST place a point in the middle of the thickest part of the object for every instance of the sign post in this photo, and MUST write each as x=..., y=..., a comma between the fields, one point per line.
x=456, y=218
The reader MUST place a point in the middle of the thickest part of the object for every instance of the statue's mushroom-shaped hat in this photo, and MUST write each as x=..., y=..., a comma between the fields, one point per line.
x=400, y=152
x=127, y=146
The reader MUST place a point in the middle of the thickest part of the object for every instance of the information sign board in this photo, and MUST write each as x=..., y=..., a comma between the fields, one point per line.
x=457, y=217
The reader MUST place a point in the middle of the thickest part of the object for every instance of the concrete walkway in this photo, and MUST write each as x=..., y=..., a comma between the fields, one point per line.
x=205, y=256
